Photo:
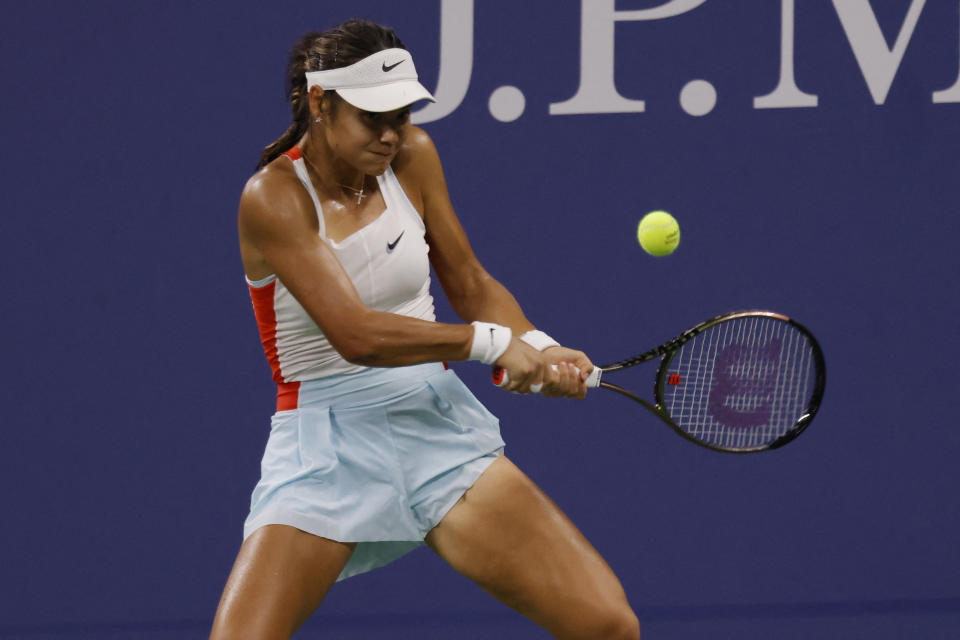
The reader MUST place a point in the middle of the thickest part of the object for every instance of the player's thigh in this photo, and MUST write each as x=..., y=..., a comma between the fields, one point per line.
x=280, y=576
x=512, y=540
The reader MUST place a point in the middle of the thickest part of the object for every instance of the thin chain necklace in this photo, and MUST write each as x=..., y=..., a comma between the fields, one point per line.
x=360, y=192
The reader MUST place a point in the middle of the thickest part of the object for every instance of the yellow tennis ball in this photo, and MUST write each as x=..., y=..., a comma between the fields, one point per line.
x=658, y=233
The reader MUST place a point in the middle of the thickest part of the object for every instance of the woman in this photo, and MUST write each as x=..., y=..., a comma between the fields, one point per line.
x=376, y=447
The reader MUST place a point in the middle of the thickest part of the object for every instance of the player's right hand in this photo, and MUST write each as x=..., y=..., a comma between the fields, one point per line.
x=524, y=366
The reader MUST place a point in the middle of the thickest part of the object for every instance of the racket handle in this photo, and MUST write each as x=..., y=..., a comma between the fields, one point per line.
x=500, y=378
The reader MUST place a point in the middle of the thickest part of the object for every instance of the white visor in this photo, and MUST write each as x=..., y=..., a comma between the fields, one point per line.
x=383, y=81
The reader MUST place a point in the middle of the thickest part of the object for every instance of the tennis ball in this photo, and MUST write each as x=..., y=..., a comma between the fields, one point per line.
x=658, y=233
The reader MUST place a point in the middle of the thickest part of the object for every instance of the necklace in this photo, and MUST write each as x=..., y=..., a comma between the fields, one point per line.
x=360, y=192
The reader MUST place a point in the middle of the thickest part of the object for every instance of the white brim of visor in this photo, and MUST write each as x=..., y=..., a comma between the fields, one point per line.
x=383, y=81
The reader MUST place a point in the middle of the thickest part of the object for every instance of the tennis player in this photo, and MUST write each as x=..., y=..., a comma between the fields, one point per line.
x=376, y=447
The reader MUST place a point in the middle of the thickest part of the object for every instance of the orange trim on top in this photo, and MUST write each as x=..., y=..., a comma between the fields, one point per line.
x=288, y=395
x=293, y=153
x=267, y=324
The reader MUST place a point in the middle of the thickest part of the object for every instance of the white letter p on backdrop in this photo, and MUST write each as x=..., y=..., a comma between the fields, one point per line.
x=597, y=93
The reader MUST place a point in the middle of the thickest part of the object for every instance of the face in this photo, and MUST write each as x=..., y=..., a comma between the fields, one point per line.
x=366, y=140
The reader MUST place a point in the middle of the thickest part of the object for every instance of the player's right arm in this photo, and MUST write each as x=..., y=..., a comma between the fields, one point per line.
x=279, y=234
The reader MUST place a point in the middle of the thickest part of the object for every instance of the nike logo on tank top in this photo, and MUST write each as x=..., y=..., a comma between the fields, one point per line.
x=389, y=274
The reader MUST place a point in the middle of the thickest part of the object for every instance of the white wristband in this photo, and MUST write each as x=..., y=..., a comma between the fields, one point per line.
x=539, y=340
x=489, y=341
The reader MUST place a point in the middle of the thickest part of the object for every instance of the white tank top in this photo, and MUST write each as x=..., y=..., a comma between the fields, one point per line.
x=388, y=264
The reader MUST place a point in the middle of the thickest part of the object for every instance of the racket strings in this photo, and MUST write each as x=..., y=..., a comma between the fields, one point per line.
x=742, y=383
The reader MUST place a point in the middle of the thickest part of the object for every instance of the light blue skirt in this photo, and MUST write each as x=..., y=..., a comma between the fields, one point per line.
x=376, y=458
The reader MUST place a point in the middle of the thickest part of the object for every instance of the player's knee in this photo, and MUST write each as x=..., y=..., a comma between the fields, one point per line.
x=226, y=628
x=618, y=623
x=630, y=626
x=248, y=633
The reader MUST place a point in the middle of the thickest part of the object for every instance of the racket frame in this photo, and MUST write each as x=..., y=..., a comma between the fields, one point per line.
x=668, y=350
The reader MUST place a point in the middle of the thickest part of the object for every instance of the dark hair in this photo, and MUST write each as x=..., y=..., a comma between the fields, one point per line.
x=338, y=47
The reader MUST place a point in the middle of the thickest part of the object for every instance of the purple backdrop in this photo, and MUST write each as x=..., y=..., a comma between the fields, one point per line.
x=821, y=183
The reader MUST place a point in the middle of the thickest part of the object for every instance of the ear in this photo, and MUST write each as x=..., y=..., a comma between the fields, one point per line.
x=316, y=103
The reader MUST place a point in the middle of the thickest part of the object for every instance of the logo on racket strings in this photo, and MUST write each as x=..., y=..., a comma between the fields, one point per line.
x=743, y=384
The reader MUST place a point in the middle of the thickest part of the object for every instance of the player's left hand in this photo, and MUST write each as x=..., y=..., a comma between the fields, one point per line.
x=564, y=381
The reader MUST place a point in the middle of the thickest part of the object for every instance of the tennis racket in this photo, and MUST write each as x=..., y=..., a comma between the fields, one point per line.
x=742, y=382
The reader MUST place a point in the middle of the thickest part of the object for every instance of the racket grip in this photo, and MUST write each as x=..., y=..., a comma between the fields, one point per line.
x=500, y=378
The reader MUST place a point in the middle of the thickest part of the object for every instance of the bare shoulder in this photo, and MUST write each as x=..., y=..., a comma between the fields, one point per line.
x=275, y=211
x=416, y=145
x=418, y=155
x=274, y=196
x=417, y=167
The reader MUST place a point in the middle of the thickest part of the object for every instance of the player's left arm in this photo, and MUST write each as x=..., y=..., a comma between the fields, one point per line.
x=473, y=293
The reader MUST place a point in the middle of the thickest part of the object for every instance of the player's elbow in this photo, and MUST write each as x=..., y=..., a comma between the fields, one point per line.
x=362, y=354
x=356, y=341
x=355, y=349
